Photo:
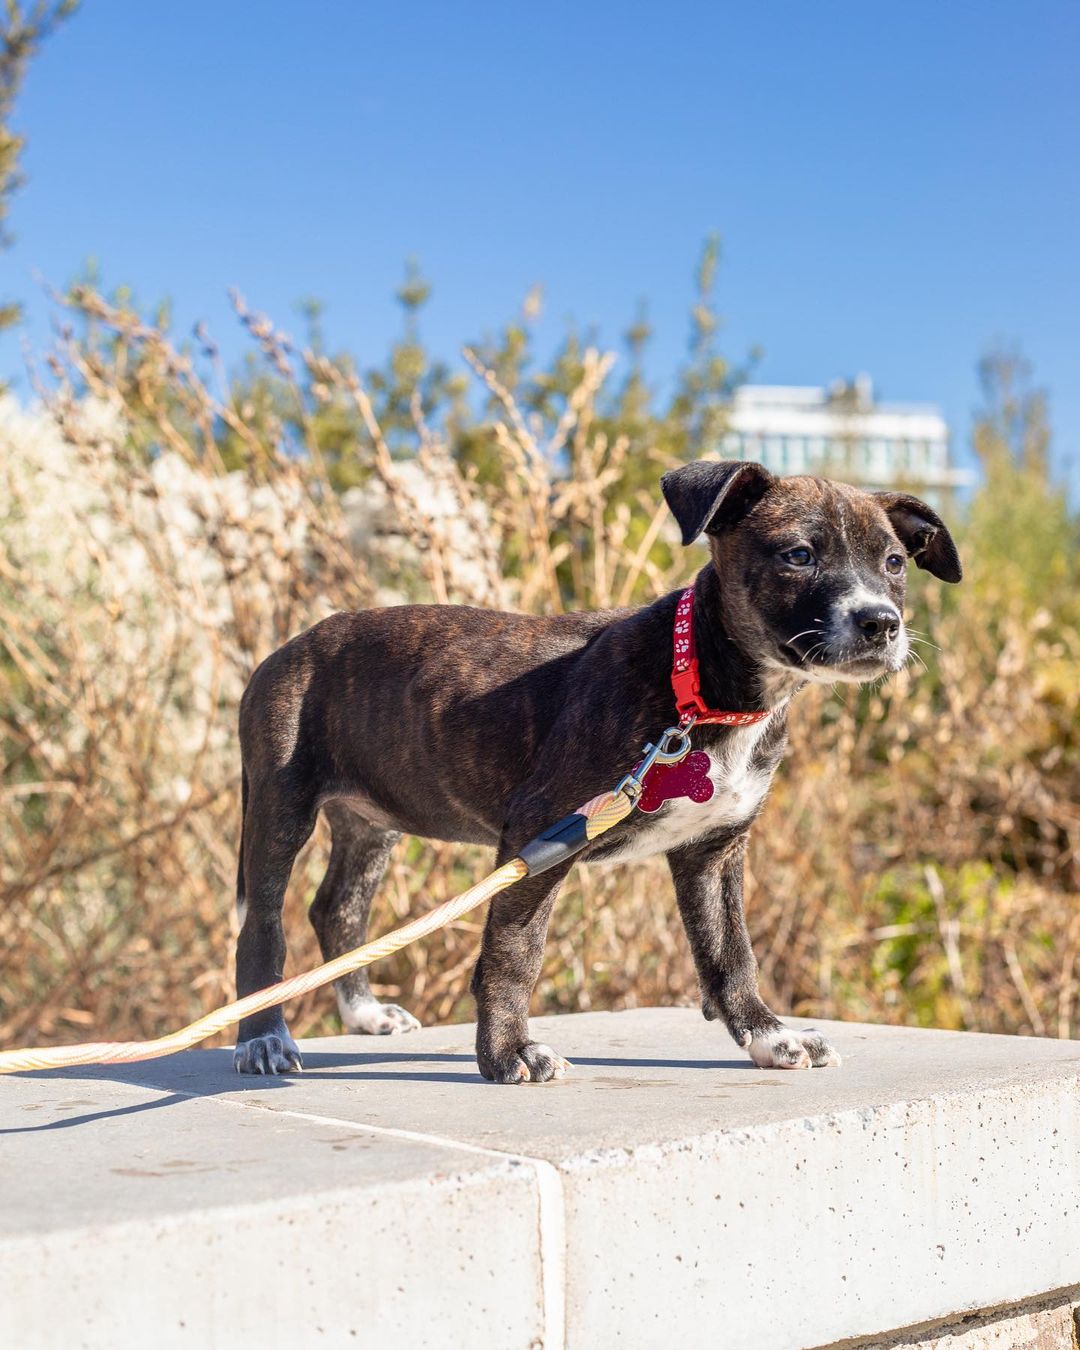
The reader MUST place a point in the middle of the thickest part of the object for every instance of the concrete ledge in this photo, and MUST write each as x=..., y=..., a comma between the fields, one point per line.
x=667, y=1193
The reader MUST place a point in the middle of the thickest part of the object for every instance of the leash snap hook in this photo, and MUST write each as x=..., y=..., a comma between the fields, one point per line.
x=673, y=746
x=674, y=743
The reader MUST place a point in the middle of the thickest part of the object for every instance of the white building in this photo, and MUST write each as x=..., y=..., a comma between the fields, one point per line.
x=842, y=433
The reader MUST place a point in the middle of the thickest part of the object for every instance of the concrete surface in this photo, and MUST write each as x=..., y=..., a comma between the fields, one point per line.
x=665, y=1194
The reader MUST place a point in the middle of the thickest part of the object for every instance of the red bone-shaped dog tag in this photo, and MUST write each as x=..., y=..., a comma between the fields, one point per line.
x=689, y=778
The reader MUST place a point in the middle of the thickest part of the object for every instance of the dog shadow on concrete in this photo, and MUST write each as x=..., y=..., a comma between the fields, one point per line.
x=209, y=1074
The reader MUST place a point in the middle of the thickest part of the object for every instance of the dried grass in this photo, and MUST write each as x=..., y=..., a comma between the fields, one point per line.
x=917, y=860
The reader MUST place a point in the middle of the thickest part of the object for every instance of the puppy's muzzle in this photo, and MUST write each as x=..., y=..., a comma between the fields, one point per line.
x=863, y=640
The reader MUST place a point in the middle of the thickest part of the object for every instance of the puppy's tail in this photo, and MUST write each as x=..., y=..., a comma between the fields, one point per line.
x=241, y=898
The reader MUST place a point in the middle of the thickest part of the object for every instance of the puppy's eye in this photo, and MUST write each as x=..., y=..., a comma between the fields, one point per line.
x=894, y=563
x=798, y=557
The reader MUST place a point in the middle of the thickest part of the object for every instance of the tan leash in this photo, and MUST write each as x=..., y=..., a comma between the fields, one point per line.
x=557, y=843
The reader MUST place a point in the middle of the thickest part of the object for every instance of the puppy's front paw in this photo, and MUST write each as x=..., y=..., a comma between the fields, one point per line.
x=369, y=1017
x=782, y=1048
x=529, y=1063
x=276, y=1053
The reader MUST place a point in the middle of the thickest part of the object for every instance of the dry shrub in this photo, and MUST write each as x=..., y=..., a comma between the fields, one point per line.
x=917, y=860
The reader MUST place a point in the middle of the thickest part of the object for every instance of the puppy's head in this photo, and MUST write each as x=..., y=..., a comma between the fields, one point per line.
x=812, y=572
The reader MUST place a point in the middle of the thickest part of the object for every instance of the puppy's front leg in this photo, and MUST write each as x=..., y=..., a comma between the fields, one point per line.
x=709, y=889
x=505, y=976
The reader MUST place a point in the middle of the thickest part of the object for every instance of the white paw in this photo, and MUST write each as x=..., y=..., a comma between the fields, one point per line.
x=372, y=1018
x=787, y=1049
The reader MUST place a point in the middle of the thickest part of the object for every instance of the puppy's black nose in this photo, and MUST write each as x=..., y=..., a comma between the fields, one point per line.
x=877, y=623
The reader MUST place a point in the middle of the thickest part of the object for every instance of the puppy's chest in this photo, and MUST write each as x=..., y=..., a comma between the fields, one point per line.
x=740, y=779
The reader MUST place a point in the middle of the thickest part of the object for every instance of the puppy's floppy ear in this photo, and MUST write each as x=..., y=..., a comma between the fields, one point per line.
x=708, y=495
x=923, y=533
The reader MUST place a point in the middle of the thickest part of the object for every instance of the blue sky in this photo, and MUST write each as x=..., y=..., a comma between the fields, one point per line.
x=896, y=185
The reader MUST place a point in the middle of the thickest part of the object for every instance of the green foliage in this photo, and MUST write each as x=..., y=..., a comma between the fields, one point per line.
x=298, y=400
x=918, y=909
x=410, y=384
x=1021, y=519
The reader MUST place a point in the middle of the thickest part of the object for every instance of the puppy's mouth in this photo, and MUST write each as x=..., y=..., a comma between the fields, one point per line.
x=855, y=662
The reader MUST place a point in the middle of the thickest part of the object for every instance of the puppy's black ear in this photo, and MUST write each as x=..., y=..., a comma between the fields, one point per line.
x=709, y=495
x=923, y=533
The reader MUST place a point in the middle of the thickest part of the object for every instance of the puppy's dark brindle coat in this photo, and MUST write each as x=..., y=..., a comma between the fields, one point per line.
x=460, y=724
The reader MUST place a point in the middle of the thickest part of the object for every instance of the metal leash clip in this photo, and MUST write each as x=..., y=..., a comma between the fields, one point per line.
x=673, y=746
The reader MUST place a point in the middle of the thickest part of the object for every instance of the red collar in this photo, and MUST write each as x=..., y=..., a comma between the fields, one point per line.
x=686, y=678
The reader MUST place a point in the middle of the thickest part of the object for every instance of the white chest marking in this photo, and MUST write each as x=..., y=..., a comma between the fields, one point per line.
x=738, y=792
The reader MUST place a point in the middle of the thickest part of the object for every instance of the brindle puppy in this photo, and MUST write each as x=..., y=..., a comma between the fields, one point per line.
x=484, y=728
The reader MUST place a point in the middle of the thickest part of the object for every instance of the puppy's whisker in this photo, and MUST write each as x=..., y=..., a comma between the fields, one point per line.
x=913, y=655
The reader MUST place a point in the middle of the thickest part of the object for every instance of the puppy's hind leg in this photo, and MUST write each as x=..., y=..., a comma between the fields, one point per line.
x=278, y=820
x=339, y=915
